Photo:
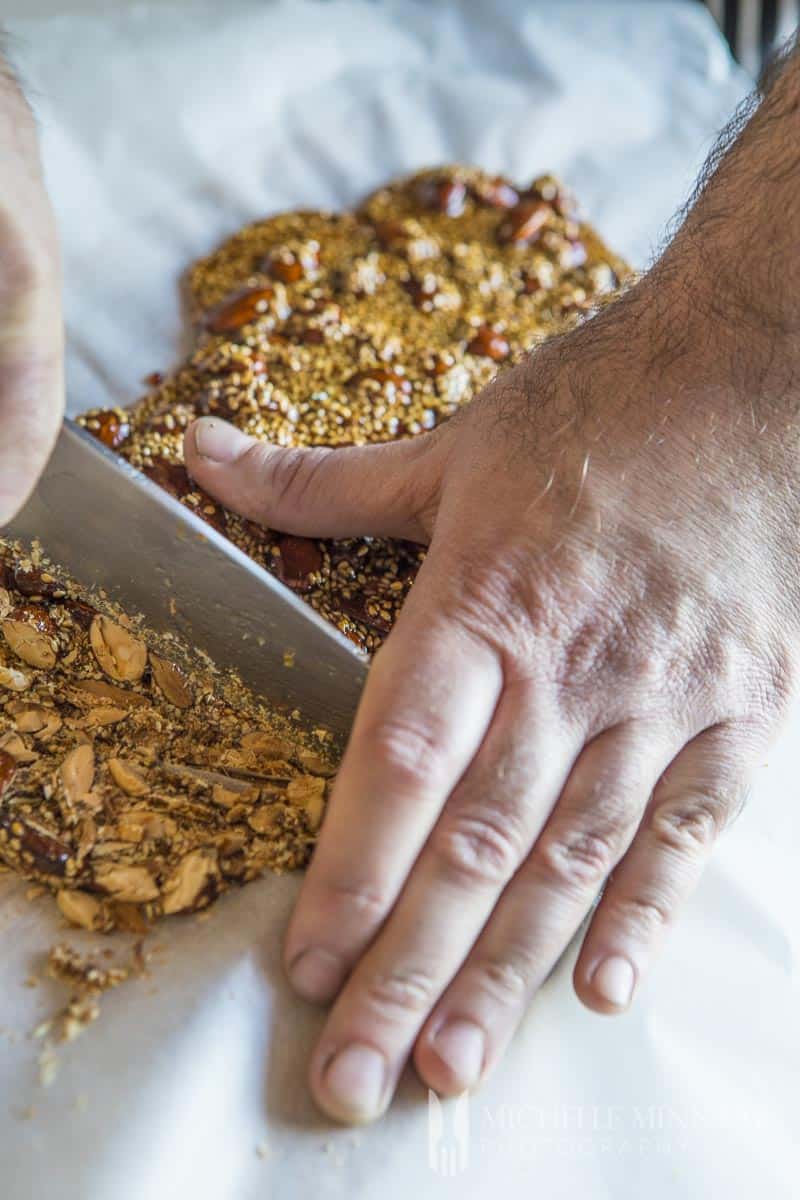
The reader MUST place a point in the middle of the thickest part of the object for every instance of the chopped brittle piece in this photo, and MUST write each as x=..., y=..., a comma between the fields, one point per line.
x=131, y=787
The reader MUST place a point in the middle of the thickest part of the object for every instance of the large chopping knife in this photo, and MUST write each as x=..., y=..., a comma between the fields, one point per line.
x=110, y=527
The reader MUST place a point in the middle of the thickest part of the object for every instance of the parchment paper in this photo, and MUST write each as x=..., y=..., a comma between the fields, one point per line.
x=163, y=129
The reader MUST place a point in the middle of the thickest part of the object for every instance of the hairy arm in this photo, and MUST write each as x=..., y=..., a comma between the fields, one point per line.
x=735, y=258
x=603, y=640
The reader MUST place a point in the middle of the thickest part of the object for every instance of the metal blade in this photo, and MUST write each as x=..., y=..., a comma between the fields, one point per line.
x=111, y=527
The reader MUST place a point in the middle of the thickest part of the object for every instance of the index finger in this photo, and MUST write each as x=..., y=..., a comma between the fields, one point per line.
x=429, y=699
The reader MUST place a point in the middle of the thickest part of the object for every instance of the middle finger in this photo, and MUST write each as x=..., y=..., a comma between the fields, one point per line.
x=485, y=831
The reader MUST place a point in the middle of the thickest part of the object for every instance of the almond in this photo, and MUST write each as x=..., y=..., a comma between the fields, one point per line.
x=488, y=343
x=526, y=222
x=446, y=196
x=128, y=777
x=119, y=654
x=191, y=882
x=32, y=635
x=81, y=909
x=77, y=773
x=172, y=681
x=89, y=693
x=241, y=308
x=134, y=884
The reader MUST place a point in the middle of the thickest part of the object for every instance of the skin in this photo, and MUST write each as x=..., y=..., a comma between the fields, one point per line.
x=601, y=644
x=31, y=331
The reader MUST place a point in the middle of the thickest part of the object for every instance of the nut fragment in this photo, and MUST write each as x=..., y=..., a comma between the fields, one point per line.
x=240, y=309
x=120, y=655
x=526, y=222
x=225, y=797
x=82, y=909
x=135, y=884
x=308, y=793
x=8, y=766
x=14, y=745
x=172, y=681
x=127, y=777
x=77, y=773
x=103, y=715
x=443, y=195
x=489, y=343
x=264, y=819
x=87, y=693
x=315, y=764
x=15, y=681
x=139, y=825
x=267, y=745
x=39, y=719
x=31, y=634
x=189, y=884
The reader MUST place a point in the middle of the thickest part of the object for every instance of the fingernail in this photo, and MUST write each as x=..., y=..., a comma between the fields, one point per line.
x=461, y=1045
x=354, y=1083
x=316, y=974
x=219, y=441
x=613, y=981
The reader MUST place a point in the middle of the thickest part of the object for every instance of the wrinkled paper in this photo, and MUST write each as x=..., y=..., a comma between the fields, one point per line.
x=163, y=130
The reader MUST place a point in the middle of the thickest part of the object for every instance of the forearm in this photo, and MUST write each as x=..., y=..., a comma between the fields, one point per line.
x=740, y=241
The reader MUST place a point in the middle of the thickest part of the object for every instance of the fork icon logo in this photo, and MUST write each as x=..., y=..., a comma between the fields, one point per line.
x=448, y=1148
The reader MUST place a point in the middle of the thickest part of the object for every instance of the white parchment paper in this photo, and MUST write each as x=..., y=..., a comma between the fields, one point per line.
x=164, y=129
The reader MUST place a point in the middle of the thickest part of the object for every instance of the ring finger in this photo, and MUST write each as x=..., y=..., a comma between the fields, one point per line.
x=587, y=833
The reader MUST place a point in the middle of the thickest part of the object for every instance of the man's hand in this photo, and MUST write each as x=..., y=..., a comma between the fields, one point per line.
x=31, y=336
x=602, y=641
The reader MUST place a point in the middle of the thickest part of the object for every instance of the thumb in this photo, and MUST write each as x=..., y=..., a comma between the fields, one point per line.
x=387, y=490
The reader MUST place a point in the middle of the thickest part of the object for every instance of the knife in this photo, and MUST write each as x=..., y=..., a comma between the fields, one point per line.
x=111, y=527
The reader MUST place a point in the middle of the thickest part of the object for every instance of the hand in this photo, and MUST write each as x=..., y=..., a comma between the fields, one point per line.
x=600, y=644
x=31, y=336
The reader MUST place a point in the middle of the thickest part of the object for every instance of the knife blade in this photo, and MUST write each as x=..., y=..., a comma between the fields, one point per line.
x=111, y=527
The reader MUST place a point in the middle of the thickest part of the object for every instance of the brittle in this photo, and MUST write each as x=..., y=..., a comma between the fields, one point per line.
x=336, y=329
x=131, y=785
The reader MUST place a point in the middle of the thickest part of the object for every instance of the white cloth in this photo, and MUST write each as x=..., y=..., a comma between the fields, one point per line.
x=164, y=129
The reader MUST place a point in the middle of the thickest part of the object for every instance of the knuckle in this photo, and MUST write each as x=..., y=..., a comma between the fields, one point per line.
x=398, y=993
x=506, y=979
x=495, y=591
x=410, y=754
x=287, y=474
x=360, y=899
x=477, y=848
x=688, y=824
x=640, y=917
x=577, y=860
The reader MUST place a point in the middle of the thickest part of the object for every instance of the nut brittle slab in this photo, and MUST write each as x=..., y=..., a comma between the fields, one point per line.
x=335, y=329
